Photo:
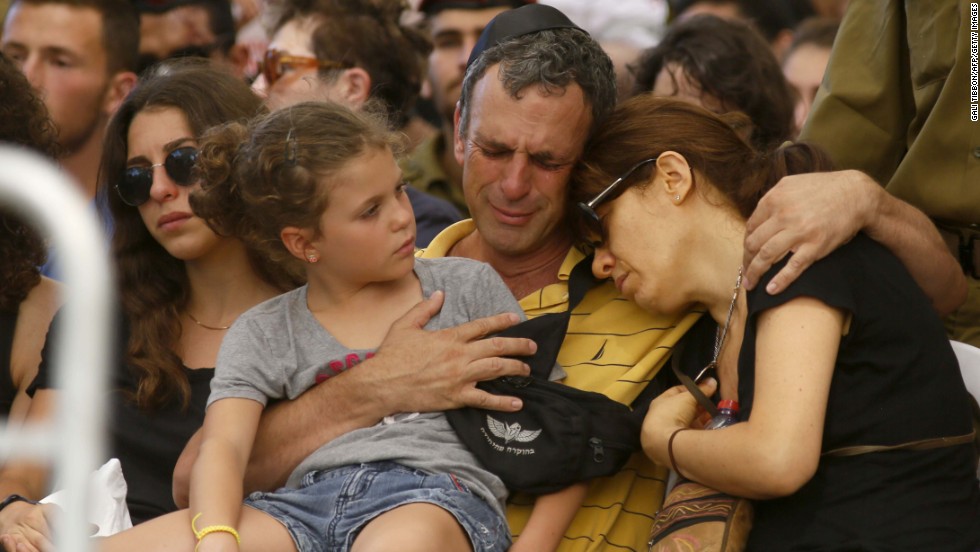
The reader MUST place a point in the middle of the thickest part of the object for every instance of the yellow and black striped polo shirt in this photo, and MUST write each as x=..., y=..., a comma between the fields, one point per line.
x=612, y=347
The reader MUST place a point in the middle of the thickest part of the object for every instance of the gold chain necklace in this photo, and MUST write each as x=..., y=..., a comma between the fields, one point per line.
x=205, y=326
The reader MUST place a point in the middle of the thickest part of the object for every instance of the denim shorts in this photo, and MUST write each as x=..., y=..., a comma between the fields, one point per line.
x=331, y=507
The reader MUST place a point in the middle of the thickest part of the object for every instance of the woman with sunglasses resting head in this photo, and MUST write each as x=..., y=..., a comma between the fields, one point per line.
x=181, y=285
x=850, y=354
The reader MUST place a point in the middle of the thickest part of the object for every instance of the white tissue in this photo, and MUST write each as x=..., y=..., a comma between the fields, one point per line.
x=108, y=508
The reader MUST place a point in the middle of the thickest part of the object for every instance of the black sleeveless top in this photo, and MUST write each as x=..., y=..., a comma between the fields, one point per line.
x=147, y=443
x=8, y=323
x=896, y=380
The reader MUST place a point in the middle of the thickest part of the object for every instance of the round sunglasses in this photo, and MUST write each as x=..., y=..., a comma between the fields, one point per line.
x=136, y=182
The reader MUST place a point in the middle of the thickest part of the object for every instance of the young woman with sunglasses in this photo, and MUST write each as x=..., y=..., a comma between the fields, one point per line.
x=851, y=354
x=181, y=285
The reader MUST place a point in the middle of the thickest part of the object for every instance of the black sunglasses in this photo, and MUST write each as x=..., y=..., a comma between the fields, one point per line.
x=591, y=218
x=136, y=181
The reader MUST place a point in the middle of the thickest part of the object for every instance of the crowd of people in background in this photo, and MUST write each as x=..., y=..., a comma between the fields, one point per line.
x=321, y=213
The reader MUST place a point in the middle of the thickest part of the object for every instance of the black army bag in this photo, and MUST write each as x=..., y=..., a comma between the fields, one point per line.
x=562, y=435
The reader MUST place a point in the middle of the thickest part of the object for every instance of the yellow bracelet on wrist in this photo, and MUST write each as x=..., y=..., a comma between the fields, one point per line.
x=205, y=531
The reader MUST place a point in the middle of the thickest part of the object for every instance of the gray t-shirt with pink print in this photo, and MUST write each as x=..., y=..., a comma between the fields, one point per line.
x=277, y=350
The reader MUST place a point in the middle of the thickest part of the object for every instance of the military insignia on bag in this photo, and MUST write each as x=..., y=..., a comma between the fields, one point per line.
x=510, y=433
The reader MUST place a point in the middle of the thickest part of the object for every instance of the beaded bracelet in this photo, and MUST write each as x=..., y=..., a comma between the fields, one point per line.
x=205, y=531
x=670, y=450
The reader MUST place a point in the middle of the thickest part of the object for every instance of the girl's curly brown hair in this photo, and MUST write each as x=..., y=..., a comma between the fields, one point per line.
x=23, y=121
x=270, y=174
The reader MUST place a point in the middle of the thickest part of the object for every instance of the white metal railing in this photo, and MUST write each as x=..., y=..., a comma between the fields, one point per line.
x=74, y=442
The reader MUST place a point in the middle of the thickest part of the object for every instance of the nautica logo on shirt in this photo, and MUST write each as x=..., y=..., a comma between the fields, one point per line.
x=509, y=433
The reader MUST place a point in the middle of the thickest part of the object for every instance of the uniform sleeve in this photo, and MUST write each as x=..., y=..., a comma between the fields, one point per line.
x=247, y=366
x=862, y=112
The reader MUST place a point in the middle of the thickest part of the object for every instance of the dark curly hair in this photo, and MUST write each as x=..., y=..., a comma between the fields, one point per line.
x=732, y=62
x=23, y=121
x=251, y=190
x=367, y=34
x=153, y=285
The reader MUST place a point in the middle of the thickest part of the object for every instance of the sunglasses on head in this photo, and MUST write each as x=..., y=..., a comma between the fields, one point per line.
x=136, y=182
x=592, y=220
x=276, y=63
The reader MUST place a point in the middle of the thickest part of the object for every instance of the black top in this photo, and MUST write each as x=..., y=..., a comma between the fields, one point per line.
x=896, y=380
x=147, y=443
x=8, y=324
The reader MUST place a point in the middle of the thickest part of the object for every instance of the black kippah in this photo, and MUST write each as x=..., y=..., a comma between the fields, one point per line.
x=521, y=21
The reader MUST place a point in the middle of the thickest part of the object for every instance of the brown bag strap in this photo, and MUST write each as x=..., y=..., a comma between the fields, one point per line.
x=923, y=444
x=675, y=364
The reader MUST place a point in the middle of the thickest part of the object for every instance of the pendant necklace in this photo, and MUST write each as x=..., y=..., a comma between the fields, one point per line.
x=722, y=332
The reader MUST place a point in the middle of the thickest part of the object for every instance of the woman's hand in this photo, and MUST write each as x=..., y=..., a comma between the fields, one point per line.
x=674, y=409
x=28, y=528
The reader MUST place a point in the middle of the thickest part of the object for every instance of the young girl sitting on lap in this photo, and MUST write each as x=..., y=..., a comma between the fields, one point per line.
x=318, y=185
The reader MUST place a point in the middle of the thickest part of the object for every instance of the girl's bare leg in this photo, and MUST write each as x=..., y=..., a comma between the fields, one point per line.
x=420, y=527
x=259, y=531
